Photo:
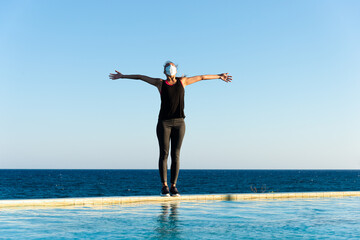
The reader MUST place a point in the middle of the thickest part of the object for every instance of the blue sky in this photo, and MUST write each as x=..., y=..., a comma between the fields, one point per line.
x=293, y=103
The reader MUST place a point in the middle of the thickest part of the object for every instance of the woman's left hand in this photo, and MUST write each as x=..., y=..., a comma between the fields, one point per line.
x=225, y=77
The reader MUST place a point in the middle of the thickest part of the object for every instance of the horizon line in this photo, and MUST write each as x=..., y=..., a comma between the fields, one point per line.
x=295, y=169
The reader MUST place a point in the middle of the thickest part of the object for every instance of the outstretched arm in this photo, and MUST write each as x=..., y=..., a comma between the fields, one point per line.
x=153, y=81
x=190, y=80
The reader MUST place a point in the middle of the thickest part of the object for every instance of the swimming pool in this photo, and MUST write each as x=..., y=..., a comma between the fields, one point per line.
x=326, y=218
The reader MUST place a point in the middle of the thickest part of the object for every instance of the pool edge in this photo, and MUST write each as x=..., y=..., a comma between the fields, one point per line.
x=118, y=200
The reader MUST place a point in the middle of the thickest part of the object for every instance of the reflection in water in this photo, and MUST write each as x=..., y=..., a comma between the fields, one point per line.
x=168, y=223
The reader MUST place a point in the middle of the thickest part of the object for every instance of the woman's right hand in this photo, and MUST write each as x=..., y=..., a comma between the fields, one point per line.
x=114, y=76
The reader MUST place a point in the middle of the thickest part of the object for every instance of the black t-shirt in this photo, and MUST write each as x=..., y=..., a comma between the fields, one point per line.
x=172, y=100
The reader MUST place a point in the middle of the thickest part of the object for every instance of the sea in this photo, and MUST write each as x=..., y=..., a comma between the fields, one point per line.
x=66, y=183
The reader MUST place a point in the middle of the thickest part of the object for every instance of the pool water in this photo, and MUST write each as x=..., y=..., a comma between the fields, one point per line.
x=324, y=218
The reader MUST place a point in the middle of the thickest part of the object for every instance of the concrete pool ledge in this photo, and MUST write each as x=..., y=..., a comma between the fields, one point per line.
x=99, y=201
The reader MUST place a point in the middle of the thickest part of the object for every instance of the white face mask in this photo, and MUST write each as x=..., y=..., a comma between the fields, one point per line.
x=170, y=70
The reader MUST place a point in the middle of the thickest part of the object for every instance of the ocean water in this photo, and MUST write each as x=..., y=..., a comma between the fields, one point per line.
x=32, y=184
x=325, y=218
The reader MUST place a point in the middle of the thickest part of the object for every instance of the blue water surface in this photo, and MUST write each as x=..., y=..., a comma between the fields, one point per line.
x=326, y=218
x=26, y=184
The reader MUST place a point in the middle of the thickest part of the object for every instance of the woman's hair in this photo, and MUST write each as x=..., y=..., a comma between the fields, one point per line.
x=168, y=62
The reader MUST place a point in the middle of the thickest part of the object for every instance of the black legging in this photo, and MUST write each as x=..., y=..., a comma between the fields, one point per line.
x=173, y=129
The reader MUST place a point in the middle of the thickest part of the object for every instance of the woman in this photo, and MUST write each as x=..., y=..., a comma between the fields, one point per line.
x=171, y=125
